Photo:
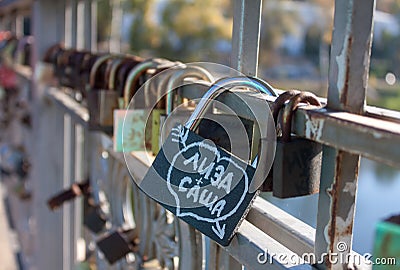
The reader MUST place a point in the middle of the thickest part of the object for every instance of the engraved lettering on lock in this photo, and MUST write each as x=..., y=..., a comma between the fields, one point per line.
x=209, y=177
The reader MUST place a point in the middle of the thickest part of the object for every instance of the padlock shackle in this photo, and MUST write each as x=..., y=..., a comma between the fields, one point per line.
x=113, y=70
x=133, y=76
x=218, y=88
x=51, y=53
x=221, y=86
x=280, y=103
x=177, y=78
x=96, y=66
x=157, y=63
x=293, y=104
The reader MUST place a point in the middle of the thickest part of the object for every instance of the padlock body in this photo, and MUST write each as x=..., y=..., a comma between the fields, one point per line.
x=114, y=246
x=93, y=218
x=101, y=104
x=134, y=134
x=297, y=168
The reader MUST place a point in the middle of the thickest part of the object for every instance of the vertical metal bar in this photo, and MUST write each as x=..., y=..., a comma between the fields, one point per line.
x=71, y=24
x=245, y=50
x=60, y=22
x=93, y=23
x=79, y=176
x=348, y=77
x=48, y=25
x=47, y=176
x=48, y=132
x=246, y=36
x=80, y=25
x=19, y=24
x=116, y=25
x=350, y=55
x=88, y=20
x=74, y=22
x=68, y=179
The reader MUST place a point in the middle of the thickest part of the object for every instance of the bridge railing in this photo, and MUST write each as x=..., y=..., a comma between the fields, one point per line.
x=65, y=151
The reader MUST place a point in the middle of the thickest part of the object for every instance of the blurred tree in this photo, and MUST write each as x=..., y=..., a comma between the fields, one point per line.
x=327, y=6
x=276, y=23
x=104, y=21
x=312, y=42
x=390, y=6
x=180, y=29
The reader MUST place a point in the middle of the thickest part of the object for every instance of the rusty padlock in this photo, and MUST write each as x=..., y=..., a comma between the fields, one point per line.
x=276, y=107
x=71, y=193
x=297, y=164
x=122, y=74
x=117, y=244
x=45, y=70
x=75, y=62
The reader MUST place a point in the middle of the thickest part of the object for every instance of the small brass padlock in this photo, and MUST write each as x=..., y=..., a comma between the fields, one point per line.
x=199, y=182
x=297, y=164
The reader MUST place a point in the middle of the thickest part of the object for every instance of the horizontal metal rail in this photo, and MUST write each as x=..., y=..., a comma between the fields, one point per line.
x=368, y=136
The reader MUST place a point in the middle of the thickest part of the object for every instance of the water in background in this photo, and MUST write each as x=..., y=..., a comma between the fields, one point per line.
x=378, y=197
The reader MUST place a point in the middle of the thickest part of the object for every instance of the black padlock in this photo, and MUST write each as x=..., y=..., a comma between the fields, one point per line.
x=200, y=182
x=94, y=218
x=117, y=244
x=277, y=106
x=297, y=164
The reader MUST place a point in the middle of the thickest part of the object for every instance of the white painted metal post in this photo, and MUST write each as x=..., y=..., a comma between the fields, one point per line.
x=80, y=25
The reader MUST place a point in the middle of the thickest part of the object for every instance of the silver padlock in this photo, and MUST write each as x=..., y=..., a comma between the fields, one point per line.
x=173, y=79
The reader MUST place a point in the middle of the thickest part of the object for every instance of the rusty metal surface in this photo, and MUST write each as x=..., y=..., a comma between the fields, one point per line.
x=370, y=137
x=350, y=54
x=348, y=78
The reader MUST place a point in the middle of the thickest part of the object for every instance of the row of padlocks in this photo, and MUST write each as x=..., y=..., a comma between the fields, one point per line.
x=208, y=130
x=14, y=113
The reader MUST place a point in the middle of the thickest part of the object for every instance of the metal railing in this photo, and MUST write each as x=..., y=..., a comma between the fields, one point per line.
x=66, y=151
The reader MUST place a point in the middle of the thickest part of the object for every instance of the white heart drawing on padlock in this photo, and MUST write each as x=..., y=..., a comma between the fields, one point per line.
x=215, y=207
